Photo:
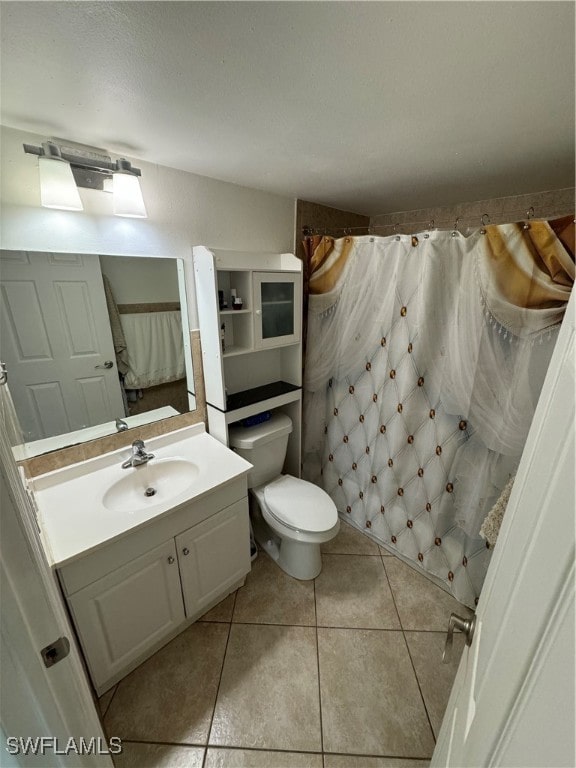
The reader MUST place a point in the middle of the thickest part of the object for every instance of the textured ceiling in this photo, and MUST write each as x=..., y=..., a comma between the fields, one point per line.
x=366, y=106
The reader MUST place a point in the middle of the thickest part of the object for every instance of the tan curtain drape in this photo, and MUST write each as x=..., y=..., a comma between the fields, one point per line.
x=551, y=245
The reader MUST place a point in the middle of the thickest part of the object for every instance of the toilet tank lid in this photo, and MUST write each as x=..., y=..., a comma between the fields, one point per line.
x=260, y=434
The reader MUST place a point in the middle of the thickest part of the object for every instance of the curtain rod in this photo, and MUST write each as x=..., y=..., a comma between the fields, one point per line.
x=432, y=224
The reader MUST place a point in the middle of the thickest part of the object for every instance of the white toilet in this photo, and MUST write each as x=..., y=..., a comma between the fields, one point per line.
x=291, y=517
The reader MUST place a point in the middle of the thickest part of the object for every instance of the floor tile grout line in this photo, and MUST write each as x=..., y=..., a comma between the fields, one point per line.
x=223, y=746
x=374, y=755
x=110, y=702
x=219, y=683
x=419, y=688
x=318, y=670
x=184, y=744
x=410, y=657
x=278, y=750
x=330, y=626
x=312, y=626
x=350, y=554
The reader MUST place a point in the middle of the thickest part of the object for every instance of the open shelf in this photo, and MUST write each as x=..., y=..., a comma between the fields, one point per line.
x=259, y=394
x=271, y=403
x=235, y=312
x=233, y=351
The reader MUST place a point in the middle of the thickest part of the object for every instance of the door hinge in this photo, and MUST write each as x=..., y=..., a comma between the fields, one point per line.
x=55, y=652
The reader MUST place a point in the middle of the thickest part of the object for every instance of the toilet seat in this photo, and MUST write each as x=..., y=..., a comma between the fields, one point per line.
x=300, y=505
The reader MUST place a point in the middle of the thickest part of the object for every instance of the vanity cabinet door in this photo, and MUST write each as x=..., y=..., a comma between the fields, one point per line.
x=213, y=556
x=126, y=613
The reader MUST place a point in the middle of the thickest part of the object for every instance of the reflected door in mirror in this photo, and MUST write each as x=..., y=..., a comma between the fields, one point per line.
x=55, y=338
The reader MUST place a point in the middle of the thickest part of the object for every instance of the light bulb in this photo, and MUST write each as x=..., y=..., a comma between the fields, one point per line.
x=57, y=186
x=128, y=200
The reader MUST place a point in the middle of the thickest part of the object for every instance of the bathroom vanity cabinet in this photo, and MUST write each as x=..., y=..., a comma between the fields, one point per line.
x=130, y=597
x=252, y=356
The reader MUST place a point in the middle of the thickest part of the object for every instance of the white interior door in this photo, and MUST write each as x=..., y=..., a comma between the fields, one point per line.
x=38, y=702
x=513, y=698
x=56, y=341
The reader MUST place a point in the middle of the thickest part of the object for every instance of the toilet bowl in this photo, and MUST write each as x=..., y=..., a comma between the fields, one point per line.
x=291, y=517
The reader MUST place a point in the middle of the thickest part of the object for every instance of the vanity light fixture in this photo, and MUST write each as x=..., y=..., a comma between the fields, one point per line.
x=63, y=169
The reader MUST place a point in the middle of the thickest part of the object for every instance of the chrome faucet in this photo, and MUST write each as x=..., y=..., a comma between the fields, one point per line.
x=121, y=426
x=139, y=455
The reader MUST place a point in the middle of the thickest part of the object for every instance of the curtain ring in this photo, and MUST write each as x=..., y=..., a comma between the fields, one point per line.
x=529, y=215
x=455, y=232
x=395, y=230
x=483, y=223
x=430, y=227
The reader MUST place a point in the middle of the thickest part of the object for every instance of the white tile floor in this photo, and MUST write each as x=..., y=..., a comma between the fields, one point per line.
x=341, y=672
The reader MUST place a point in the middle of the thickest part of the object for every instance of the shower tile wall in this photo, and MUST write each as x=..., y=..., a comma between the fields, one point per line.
x=322, y=217
x=501, y=210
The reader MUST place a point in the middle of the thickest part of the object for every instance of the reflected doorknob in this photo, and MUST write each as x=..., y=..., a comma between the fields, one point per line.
x=108, y=364
x=466, y=626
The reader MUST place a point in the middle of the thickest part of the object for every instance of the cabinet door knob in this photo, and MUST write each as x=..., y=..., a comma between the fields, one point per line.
x=170, y=559
x=258, y=311
x=185, y=551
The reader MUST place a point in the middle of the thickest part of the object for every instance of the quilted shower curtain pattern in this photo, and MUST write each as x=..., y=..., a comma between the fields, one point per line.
x=424, y=361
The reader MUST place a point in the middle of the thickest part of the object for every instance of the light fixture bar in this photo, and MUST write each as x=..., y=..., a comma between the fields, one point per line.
x=78, y=159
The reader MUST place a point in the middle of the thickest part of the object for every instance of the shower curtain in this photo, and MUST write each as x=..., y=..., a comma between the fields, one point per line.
x=424, y=360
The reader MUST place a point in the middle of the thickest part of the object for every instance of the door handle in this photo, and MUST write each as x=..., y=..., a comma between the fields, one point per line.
x=466, y=626
x=108, y=364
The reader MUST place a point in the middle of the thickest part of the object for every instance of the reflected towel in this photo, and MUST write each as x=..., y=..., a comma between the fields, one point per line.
x=491, y=525
x=118, y=338
x=156, y=348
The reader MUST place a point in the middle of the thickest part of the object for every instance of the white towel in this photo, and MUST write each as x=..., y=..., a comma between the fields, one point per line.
x=491, y=525
x=155, y=348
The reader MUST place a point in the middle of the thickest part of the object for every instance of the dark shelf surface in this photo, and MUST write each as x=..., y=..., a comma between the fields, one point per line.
x=258, y=394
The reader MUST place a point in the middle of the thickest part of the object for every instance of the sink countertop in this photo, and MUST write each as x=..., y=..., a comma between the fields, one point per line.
x=72, y=515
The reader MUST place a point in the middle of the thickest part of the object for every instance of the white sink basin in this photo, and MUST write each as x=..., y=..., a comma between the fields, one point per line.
x=148, y=485
x=87, y=505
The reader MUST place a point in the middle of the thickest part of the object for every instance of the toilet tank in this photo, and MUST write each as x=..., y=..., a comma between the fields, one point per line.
x=264, y=446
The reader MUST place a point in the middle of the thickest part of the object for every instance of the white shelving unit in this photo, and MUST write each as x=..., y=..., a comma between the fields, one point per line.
x=252, y=356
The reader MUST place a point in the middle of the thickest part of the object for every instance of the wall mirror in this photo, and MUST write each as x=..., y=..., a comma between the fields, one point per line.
x=90, y=339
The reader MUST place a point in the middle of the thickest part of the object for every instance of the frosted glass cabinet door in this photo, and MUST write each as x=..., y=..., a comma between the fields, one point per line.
x=277, y=309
